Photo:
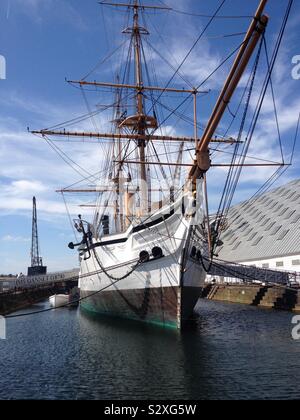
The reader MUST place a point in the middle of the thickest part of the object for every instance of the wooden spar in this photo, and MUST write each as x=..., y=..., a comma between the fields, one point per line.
x=96, y=206
x=116, y=136
x=216, y=165
x=133, y=6
x=137, y=87
x=209, y=238
x=82, y=190
x=255, y=31
x=248, y=165
x=103, y=190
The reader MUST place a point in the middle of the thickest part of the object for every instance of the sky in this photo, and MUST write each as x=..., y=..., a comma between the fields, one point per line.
x=46, y=41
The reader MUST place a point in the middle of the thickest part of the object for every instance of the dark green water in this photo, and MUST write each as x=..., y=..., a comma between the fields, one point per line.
x=232, y=352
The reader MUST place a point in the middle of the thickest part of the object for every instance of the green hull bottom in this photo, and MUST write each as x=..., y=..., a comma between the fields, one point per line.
x=90, y=309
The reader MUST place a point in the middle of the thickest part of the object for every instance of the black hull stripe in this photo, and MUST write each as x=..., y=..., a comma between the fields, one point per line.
x=153, y=223
x=136, y=229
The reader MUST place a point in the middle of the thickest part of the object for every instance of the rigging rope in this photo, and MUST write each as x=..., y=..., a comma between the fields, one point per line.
x=202, y=83
x=70, y=162
x=182, y=12
x=274, y=100
x=234, y=174
x=194, y=45
x=295, y=140
x=102, y=61
x=263, y=92
x=69, y=217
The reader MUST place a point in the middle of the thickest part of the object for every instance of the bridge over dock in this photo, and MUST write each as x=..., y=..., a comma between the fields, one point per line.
x=20, y=292
x=229, y=272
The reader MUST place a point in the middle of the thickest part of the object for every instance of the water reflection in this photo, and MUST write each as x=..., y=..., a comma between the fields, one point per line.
x=230, y=351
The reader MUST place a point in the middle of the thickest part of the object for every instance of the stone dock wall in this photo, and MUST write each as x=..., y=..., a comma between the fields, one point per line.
x=11, y=302
x=15, y=300
x=273, y=297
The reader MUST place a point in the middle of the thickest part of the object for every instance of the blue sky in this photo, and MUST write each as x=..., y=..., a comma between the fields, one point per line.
x=45, y=41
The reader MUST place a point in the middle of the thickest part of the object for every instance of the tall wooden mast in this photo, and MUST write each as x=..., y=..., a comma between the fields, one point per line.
x=118, y=168
x=140, y=103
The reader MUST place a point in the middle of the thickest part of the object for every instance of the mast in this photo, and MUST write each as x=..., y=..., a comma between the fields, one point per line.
x=140, y=104
x=118, y=202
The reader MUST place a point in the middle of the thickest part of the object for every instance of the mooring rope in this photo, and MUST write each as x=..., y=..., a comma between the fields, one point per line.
x=105, y=271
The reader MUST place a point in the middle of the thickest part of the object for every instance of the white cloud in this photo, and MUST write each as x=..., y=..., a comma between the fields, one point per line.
x=41, y=10
x=35, y=170
x=9, y=238
x=25, y=187
x=200, y=63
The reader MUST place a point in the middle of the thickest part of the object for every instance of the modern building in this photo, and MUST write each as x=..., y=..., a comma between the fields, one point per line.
x=265, y=232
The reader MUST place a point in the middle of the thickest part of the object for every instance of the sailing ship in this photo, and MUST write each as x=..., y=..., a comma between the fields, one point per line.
x=147, y=251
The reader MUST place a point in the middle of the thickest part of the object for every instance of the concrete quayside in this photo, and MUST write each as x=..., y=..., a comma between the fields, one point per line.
x=278, y=297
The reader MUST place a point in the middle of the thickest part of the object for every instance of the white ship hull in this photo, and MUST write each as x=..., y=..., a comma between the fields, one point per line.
x=162, y=291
